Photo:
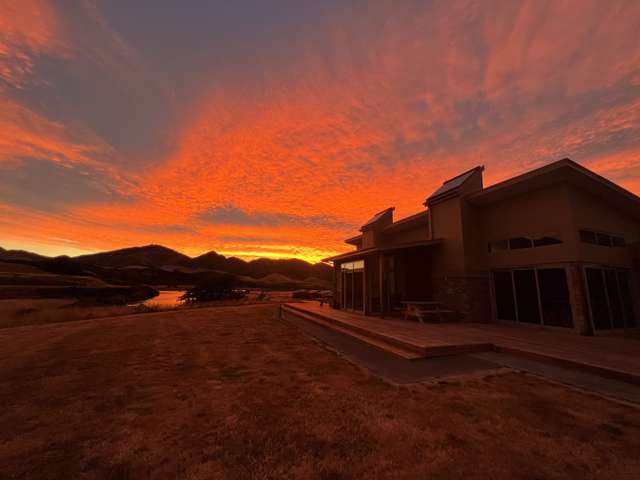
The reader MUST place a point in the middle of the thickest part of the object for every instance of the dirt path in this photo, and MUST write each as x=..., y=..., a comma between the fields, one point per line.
x=235, y=393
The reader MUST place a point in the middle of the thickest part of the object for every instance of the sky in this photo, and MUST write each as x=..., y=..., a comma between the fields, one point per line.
x=277, y=128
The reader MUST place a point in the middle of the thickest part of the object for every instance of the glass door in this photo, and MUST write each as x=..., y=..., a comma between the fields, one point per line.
x=353, y=281
x=609, y=298
x=533, y=295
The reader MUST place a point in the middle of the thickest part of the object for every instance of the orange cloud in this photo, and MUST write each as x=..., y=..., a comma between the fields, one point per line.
x=28, y=28
x=28, y=134
x=372, y=113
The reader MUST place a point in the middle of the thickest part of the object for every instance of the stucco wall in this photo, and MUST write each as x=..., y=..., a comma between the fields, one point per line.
x=418, y=233
x=592, y=213
x=447, y=225
x=541, y=211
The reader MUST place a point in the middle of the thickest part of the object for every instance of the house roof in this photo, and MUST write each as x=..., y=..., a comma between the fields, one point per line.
x=408, y=222
x=452, y=185
x=359, y=254
x=354, y=240
x=565, y=170
x=377, y=217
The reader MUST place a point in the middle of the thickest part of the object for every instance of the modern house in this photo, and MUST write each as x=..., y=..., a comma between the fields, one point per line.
x=558, y=246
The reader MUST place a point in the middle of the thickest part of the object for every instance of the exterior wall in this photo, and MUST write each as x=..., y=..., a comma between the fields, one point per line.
x=368, y=238
x=563, y=210
x=418, y=233
x=467, y=295
x=541, y=211
x=591, y=213
x=579, y=303
x=547, y=210
x=447, y=225
x=337, y=286
x=460, y=268
x=635, y=279
x=459, y=279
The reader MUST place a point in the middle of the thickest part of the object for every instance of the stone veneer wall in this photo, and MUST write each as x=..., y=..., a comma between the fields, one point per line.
x=578, y=299
x=468, y=296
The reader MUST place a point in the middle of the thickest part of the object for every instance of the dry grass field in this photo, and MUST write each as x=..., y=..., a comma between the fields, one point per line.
x=233, y=392
x=28, y=311
x=36, y=311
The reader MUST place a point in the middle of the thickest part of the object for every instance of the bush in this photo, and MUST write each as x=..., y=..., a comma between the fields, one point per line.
x=219, y=287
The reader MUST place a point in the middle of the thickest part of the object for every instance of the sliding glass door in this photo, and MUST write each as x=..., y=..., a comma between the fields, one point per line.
x=533, y=295
x=609, y=298
x=353, y=281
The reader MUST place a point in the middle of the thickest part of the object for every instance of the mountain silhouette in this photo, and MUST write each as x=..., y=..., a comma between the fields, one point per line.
x=158, y=257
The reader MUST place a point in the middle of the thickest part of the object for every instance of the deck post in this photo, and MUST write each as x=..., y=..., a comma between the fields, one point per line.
x=381, y=282
x=365, y=303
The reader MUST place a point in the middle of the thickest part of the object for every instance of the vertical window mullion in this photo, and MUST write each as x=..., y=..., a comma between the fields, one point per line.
x=515, y=298
x=606, y=295
x=541, y=315
x=623, y=311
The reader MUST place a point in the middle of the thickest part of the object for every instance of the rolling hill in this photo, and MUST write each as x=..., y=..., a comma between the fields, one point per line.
x=149, y=255
x=157, y=256
x=159, y=265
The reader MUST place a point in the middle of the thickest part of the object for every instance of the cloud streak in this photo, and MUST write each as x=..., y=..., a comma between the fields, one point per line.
x=307, y=124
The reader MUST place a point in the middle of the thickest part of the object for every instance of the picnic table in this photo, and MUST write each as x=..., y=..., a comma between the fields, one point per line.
x=421, y=309
x=327, y=298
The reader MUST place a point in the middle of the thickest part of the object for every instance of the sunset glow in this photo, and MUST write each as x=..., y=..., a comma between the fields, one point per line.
x=275, y=129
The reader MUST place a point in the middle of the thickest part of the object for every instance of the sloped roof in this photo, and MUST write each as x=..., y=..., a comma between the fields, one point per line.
x=354, y=240
x=377, y=217
x=564, y=170
x=408, y=222
x=451, y=185
x=359, y=254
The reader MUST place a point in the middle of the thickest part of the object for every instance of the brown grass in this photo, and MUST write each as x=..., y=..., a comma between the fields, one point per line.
x=235, y=393
x=24, y=312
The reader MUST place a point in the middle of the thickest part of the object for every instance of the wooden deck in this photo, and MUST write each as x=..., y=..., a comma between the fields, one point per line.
x=610, y=356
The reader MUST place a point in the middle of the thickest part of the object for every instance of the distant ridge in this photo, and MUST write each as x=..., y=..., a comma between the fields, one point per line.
x=158, y=257
x=19, y=255
x=148, y=256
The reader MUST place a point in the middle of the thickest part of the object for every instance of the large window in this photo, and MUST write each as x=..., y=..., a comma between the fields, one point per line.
x=356, y=265
x=353, y=281
x=554, y=297
x=602, y=238
x=536, y=296
x=505, y=300
x=527, y=305
x=610, y=298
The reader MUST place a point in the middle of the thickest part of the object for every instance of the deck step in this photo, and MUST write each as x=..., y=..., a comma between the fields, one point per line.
x=420, y=351
x=403, y=344
x=368, y=339
x=405, y=348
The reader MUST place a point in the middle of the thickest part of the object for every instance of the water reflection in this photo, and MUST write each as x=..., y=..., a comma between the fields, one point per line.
x=166, y=298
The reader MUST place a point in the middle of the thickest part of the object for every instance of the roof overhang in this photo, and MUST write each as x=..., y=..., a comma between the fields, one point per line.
x=360, y=254
x=354, y=240
x=451, y=188
x=385, y=216
x=562, y=171
x=407, y=223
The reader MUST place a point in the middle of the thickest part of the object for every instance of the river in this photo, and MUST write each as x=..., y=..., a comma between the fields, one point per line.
x=166, y=298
